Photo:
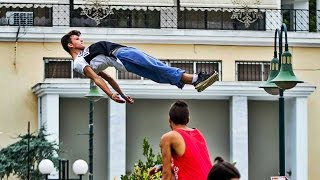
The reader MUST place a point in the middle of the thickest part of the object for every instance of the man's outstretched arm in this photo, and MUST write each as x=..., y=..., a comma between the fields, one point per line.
x=115, y=86
x=101, y=83
x=165, y=145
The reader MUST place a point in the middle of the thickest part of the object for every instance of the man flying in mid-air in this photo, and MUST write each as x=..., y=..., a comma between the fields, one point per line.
x=91, y=62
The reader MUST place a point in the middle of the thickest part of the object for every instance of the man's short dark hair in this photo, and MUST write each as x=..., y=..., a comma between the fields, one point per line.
x=223, y=170
x=65, y=40
x=179, y=113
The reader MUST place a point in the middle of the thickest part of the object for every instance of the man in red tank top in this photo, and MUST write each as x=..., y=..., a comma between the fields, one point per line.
x=184, y=150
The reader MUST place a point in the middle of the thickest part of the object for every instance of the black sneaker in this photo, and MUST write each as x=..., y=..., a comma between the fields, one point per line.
x=205, y=80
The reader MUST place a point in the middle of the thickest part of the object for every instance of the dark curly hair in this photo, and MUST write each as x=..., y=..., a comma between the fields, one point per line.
x=223, y=170
x=65, y=40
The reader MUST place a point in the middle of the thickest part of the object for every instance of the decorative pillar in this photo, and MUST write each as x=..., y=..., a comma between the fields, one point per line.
x=49, y=115
x=239, y=134
x=49, y=119
x=297, y=138
x=117, y=140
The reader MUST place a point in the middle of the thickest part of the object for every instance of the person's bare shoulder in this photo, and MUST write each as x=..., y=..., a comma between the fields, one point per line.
x=169, y=138
x=169, y=135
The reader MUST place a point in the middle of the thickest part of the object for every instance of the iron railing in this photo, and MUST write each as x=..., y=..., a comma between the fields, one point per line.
x=74, y=15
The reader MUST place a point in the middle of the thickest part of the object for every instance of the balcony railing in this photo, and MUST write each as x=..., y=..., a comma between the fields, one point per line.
x=76, y=15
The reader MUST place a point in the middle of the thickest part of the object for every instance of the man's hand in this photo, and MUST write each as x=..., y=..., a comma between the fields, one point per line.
x=128, y=99
x=117, y=98
x=121, y=98
x=116, y=87
x=154, y=170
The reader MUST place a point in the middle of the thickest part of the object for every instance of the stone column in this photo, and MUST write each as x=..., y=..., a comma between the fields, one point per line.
x=239, y=134
x=117, y=140
x=49, y=115
x=49, y=118
x=296, y=117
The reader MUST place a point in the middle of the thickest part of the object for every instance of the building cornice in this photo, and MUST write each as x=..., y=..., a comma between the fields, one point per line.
x=78, y=88
x=160, y=36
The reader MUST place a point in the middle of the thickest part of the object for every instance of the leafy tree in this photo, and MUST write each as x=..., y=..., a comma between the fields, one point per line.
x=312, y=16
x=14, y=158
x=140, y=170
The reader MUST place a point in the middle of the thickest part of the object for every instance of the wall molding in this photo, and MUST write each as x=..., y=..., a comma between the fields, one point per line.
x=160, y=36
x=146, y=89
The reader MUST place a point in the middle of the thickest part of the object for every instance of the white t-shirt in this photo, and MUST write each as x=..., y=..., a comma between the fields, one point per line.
x=98, y=64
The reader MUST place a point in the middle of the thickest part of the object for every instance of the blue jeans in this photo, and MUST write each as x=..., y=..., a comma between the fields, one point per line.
x=144, y=65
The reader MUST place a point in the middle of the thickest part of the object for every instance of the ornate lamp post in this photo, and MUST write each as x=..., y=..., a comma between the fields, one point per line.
x=277, y=82
x=93, y=96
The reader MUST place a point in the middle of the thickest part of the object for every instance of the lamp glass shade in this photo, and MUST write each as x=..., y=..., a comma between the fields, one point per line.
x=285, y=84
x=268, y=86
x=80, y=167
x=272, y=91
x=286, y=78
x=46, y=166
x=94, y=94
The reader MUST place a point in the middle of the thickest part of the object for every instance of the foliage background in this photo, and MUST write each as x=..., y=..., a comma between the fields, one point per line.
x=140, y=170
x=14, y=158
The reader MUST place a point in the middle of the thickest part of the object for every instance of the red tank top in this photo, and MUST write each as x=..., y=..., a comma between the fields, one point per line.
x=195, y=163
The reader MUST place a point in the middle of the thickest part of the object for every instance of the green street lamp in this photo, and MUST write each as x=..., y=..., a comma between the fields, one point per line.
x=286, y=78
x=283, y=79
x=268, y=86
x=93, y=96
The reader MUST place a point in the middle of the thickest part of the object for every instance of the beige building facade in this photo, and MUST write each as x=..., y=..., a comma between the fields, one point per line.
x=238, y=119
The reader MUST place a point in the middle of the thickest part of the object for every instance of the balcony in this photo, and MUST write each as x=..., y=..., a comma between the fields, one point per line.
x=157, y=17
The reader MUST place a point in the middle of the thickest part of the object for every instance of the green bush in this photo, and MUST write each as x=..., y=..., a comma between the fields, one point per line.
x=140, y=170
x=14, y=158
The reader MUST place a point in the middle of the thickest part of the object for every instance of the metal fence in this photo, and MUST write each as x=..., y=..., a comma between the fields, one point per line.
x=82, y=15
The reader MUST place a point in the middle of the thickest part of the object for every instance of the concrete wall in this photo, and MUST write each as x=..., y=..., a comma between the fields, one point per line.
x=263, y=139
x=20, y=70
x=74, y=117
x=149, y=118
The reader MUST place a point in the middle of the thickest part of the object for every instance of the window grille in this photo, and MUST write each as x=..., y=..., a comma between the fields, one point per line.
x=187, y=65
x=252, y=70
x=60, y=68
x=16, y=18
